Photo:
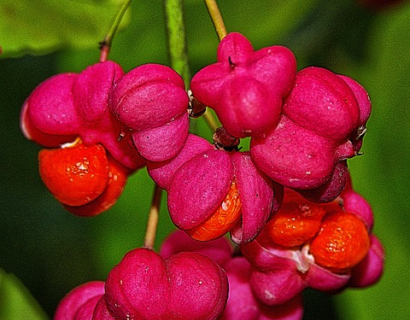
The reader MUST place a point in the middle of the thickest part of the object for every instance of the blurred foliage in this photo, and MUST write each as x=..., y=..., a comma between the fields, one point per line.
x=43, y=26
x=51, y=251
x=16, y=302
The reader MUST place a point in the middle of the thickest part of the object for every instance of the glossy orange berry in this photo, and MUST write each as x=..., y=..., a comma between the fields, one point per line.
x=75, y=174
x=342, y=242
x=297, y=221
x=117, y=179
x=222, y=221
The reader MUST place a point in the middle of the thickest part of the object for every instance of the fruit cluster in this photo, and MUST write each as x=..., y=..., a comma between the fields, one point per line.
x=327, y=247
x=287, y=202
x=104, y=125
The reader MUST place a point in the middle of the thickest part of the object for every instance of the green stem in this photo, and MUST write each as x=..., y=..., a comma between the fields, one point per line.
x=211, y=121
x=216, y=18
x=177, y=46
x=105, y=45
x=176, y=36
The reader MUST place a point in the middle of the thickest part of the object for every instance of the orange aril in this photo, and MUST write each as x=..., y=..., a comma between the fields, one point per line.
x=342, y=242
x=75, y=174
x=117, y=178
x=297, y=221
x=222, y=221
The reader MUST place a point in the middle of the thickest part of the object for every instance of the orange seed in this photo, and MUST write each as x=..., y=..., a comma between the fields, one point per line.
x=342, y=242
x=222, y=221
x=75, y=175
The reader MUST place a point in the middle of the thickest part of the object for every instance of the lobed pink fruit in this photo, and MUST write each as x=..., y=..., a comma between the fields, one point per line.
x=294, y=156
x=207, y=178
x=91, y=94
x=322, y=124
x=161, y=143
x=323, y=103
x=71, y=105
x=50, y=107
x=151, y=101
x=80, y=302
x=206, y=175
x=246, y=87
x=185, y=286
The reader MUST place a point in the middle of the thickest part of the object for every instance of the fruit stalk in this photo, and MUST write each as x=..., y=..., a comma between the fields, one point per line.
x=105, y=45
x=216, y=17
x=153, y=218
x=176, y=37
x=177, y=44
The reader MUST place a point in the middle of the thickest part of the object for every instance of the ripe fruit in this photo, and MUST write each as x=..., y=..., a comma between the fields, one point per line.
x=75, y=175
x=71, y=105
x=297, y=221
x=152, y=103
x=201, y=182
x=342, y=242
x=322, y=123
x=187, y=285
x=117, y=179
x=223, y=220
x=246, y=87
x=80, y=302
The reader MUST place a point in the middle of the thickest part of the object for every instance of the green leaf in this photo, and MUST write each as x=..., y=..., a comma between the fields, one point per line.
x=16, y=302
x=42, y=26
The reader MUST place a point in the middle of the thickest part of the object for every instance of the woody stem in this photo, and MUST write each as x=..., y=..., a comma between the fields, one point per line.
x=153, y=216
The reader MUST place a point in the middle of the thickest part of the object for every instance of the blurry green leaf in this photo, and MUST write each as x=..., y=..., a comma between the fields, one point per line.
x=43, y=26
x=16, y=302
x=384, y=169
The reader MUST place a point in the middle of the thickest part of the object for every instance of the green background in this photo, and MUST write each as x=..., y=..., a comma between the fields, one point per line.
x=51, y=251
